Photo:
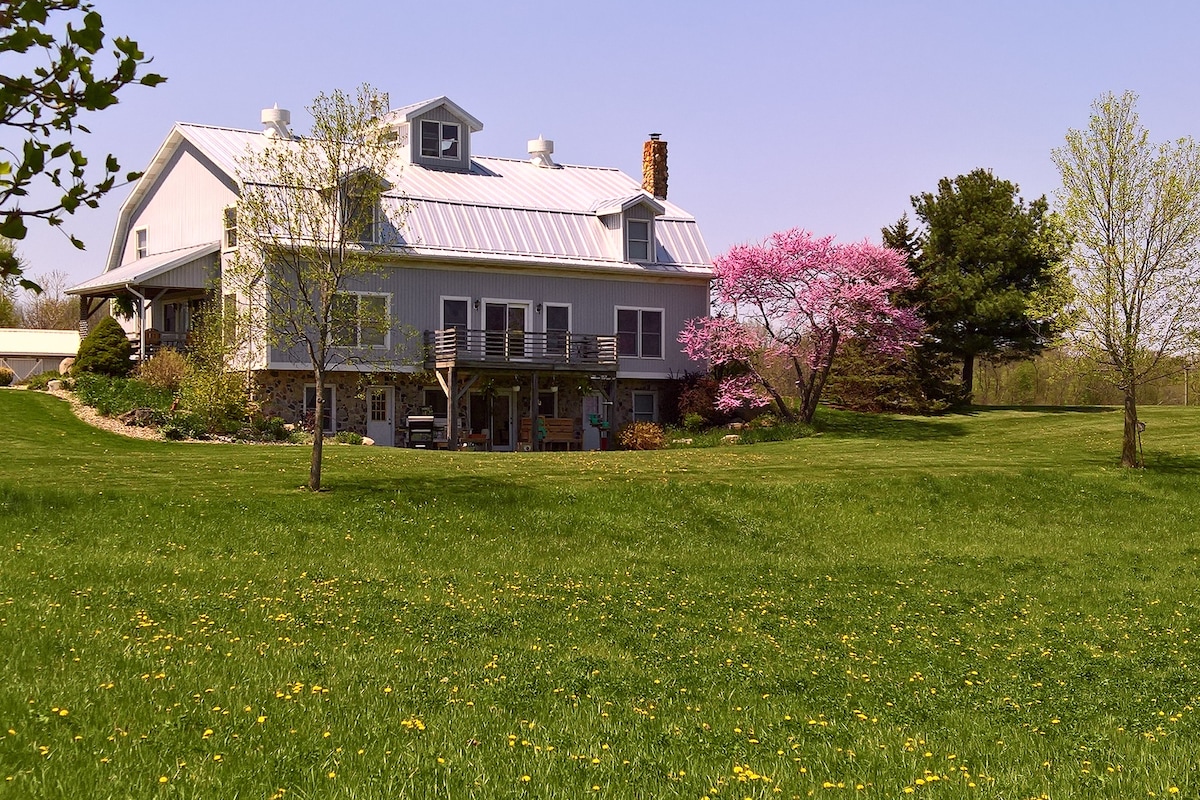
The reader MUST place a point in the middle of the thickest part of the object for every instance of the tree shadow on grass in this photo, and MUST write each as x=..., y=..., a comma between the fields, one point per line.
x=974, y=411
x=416, y=490
x=889, y=427
x=1172, y=464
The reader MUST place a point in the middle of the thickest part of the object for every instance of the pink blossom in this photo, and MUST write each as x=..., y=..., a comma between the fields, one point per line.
x=791, y=301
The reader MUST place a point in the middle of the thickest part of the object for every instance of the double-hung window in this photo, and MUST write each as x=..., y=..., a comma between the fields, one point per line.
x=231, y=227
x=141, y=243
x=640, y=332
x=637, y=240
x=360, y=320
x=558, y=327
x=645, y=407
x=439, y=139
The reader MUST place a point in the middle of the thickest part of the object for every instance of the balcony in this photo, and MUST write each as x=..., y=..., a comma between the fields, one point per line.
x=524, y=350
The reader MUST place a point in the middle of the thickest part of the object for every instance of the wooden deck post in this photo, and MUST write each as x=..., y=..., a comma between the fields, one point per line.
x=533, y=415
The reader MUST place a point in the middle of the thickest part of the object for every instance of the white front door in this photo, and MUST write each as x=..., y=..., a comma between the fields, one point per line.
x=381, y=420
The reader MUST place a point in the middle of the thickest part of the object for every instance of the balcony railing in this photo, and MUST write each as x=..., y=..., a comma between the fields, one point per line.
x=522, y=349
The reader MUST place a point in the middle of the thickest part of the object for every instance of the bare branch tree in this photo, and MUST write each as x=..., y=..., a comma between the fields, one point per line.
x=311, y=219
x=1133, y=209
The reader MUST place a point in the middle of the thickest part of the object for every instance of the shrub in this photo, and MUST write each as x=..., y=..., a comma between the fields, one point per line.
x=182, y=425
x=166, y=369
x=267, y=429
x=42, y=379
x=348, y=437
x=693, y=422
x=6, y=376
x=105, y=350
x=112, y=396
x=642, y=436
x=689, y=395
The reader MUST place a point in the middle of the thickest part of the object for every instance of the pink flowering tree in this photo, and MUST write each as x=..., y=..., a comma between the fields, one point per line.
x=784, y=307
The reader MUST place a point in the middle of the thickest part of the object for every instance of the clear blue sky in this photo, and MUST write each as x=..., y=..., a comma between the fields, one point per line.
x=822, y=115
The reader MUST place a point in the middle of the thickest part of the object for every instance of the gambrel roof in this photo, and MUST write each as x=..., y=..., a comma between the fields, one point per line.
x=503, y=210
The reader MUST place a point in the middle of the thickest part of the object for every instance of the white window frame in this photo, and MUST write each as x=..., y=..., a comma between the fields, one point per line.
x=566, y=349
x=653, y=405
x=358, y=328
x=649, y=223
x=662, y=344
x=442, y=310
x=441, y=138
x=141, y=242
x=529, y=328
x=229, y=232
x=332, y=429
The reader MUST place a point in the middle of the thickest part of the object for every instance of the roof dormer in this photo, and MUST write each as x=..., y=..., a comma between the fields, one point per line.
x=631, y=218
x=438, y=133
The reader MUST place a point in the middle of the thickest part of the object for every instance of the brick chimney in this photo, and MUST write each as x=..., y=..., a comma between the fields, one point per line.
x=654, y=166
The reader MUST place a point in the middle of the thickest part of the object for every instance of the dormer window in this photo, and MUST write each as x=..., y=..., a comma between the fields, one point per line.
x=440, y=139
x=637, y=240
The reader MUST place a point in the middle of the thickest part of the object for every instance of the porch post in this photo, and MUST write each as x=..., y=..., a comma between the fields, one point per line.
x=533, y=414
x=452, y=409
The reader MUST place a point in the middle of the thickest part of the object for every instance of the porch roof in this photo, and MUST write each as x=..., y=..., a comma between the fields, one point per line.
x=163, y=270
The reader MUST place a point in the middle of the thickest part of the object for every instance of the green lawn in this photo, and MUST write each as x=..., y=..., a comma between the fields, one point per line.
x=971, y=606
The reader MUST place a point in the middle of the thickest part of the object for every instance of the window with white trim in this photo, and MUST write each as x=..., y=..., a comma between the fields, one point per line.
x=440, y=139
x=645, y=407
x=230, y=218
x=141, y=243
x=310, y=406
x=558, y=328
x=640, y=332
x=361, y=319
x=638, y=246
x=455, y=313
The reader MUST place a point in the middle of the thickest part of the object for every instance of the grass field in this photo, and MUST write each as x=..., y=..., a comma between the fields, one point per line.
x=969, y=606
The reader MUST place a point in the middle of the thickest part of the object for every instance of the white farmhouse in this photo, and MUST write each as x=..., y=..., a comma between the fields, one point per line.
x=542, y=291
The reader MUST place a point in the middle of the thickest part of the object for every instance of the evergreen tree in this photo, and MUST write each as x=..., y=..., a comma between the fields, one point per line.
x=105, y=350
x=991, y=276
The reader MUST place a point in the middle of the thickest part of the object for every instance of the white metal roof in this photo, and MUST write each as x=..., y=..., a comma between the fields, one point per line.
x=141, y=270
x=504, y=207
x=31, y=342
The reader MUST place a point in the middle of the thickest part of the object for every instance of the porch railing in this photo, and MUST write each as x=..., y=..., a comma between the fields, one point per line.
x=555, y=349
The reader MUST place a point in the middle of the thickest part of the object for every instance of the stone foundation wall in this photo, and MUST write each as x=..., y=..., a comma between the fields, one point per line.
x=280, y=393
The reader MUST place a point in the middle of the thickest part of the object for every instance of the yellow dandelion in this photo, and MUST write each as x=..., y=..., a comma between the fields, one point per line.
x=163, y=779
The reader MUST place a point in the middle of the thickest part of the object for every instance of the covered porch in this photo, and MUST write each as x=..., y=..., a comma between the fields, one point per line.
x=164, y=291
x=526, y=366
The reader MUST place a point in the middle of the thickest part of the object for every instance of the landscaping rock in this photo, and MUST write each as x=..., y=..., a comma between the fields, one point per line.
x=138, y=417
x=54, y=386
x=732, y=438
x=368, y=441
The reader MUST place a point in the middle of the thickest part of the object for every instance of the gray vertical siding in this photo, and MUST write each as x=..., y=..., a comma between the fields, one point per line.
x=417, y=291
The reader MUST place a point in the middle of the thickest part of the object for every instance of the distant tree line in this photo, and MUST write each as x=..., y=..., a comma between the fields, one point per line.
x=25, y=308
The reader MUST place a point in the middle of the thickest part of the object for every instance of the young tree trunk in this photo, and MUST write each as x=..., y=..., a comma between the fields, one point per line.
x=968, y=377
x=1129, y=450
x=816, y=384
x=314, y=467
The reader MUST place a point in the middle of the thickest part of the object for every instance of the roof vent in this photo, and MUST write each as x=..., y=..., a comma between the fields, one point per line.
x=275, y=122
x=540, y=150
